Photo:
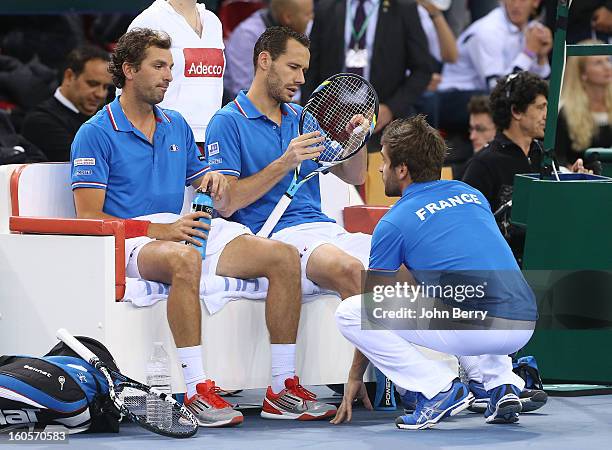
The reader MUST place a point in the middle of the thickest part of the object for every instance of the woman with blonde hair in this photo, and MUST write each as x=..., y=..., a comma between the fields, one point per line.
x=586, y=115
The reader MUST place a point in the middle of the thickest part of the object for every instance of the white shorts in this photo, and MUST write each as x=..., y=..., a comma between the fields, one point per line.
x=307, y=237
x=221, y=233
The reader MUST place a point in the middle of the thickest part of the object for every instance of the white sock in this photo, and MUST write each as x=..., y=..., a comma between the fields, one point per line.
x=193, y=371
x=283, y=365
x=471, y=367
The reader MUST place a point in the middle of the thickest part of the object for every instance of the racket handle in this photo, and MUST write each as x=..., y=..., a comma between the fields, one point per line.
x=63, y=335
x=275, y=216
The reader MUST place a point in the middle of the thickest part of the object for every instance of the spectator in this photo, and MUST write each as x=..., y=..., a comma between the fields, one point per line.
x=482, y=128
x=588, y=19
x=440, y=39
x=586, y=99
x=502, y=42
x=294, y=14
x=383, y=41
x=197, y=51
x=53, y=124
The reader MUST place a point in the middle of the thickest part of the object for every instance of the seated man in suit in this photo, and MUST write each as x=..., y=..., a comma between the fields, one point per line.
x=53, y=124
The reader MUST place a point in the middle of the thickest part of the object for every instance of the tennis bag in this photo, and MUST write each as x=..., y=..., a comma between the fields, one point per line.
x=527, y=368
x=58, y=389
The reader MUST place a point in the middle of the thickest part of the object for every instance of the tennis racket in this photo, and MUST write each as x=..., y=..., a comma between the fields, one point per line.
x=343, y=109
x=130, y=397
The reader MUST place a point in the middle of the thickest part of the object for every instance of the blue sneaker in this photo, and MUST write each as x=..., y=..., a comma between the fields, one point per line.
x=481, y=397
x=429, y=412
x=531, y=399
x=504, y=404
x=409, y=401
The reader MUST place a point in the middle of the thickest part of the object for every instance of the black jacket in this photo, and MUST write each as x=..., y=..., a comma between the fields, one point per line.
x=492, y=169
x=52, y=127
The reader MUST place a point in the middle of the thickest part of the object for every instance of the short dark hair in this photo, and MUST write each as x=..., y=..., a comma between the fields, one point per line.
x=132, y=49
x=518, y=90
x=415, y=143
x=274, y=41
x=479, y=104
x=79, y=56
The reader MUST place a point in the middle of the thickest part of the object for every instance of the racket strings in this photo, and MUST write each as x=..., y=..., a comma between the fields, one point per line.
x=331, y=112
x=156, y=414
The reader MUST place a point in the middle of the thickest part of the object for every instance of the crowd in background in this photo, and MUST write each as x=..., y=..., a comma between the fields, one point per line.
x=422, y=60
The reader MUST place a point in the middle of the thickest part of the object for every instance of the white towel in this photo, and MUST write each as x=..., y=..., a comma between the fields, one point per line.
x=215, y=291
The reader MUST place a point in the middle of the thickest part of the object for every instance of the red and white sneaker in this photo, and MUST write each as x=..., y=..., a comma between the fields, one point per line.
x=295, y=403
x=210, y=409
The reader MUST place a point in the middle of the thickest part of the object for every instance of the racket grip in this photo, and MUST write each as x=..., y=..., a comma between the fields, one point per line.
x=63, y=335
x=275, y=216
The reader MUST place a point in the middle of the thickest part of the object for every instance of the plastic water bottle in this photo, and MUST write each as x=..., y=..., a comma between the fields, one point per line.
x=159, y=412
x=202, y=201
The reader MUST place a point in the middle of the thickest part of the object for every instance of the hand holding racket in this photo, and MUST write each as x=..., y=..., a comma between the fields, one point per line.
x=182, y=424
x=343, y=109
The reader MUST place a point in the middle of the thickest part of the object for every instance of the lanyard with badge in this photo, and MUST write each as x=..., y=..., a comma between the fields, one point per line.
x=358, y=57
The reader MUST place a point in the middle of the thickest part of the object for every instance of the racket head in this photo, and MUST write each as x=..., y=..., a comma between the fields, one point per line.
x=330, y=110
x=133, y=398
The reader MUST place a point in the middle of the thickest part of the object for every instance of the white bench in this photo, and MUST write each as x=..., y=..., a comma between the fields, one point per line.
x=71, y=275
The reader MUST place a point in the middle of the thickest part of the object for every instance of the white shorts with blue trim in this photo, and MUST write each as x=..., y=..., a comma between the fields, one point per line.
x=221, y=233
x=306, y=237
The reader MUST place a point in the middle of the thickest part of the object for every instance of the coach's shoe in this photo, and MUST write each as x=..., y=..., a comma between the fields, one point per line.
x=504, y=404
x=210, y=409
x=531, y=399
x=429, y=412
x=295, y=403
x=409, y=401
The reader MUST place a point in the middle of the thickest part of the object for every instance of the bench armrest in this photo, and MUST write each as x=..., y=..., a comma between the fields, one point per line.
x=81, y=227
x=363, y=218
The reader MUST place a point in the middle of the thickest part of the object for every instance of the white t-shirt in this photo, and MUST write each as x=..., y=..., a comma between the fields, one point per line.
x=196, y=90
x=490, y=48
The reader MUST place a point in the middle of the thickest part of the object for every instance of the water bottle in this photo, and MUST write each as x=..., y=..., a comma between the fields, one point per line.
x=202, y=201
x=158, y=411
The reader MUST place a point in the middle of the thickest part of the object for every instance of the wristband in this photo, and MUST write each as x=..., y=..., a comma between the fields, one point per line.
x=136, y=228
x=532, y=55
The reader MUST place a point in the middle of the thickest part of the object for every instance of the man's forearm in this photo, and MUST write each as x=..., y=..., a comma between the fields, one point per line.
x=246, y=191
x=359, y=365
x=353, y=170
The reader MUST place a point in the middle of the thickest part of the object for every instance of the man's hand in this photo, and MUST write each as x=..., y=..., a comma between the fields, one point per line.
x=434, y=82
x=354, y=389
x=182, y=230
x=602, y=20
x=218, y=187
x=533, y=42
x=546, y=40
x=302, y=148
x=578, y=167
x=385, y=116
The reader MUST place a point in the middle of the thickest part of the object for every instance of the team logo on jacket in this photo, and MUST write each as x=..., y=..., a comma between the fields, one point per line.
x=204, y=62
x=174, y=148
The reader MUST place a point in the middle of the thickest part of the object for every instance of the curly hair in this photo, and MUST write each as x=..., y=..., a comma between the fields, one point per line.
x=132, y=49
x=416, y=144
x=517, y=90
x=274, y=41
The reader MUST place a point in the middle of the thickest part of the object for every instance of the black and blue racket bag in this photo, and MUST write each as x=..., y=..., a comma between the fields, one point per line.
x=58, y=389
